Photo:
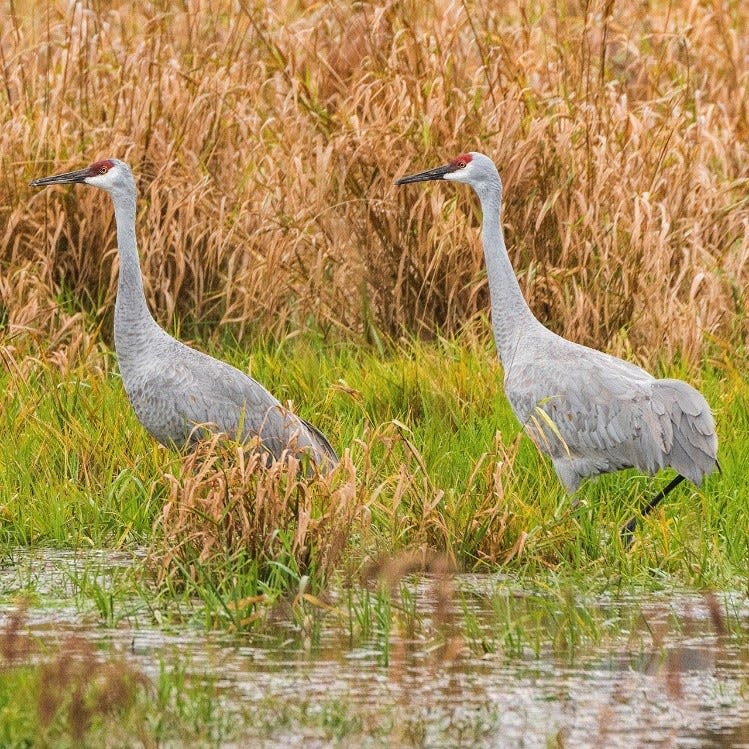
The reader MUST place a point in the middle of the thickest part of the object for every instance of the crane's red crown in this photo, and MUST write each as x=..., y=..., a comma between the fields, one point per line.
x=100, y=167
x=461, y=161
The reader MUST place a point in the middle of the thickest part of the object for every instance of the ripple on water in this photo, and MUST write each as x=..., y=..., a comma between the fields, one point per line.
x=667, y=676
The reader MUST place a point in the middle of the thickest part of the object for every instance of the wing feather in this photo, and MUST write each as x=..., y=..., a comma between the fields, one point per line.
x=192, y=389
x=612, y=415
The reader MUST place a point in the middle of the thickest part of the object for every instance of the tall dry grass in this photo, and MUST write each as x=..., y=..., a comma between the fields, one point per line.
x=228, y=510
x=265, y=138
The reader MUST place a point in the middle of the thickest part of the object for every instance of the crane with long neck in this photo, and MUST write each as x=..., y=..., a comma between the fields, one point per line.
x=607, y=414
x=177, y=392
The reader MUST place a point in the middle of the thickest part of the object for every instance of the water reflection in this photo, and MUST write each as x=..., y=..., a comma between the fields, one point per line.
x=493, y=667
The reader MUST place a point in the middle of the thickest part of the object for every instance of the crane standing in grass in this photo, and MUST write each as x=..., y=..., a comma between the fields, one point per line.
x=176, y=391
x=590, y=412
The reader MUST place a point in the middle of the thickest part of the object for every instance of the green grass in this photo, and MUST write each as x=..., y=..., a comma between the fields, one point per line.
x=76, y=693
x=440, y=464
x=80, y=697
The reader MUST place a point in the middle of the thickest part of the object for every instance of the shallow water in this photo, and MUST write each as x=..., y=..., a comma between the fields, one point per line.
x=669, y=669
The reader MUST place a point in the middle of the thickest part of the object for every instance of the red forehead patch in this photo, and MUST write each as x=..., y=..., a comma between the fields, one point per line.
x=464, y=158
x=100, y=167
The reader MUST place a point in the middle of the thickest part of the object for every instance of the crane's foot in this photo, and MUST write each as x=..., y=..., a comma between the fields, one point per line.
x=627, y=533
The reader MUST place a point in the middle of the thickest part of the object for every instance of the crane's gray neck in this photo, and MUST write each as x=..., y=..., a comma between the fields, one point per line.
x=511, y=316
x=131, y=315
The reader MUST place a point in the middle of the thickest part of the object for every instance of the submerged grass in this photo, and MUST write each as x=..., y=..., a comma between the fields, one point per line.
x=72, y=695
x=410, y=656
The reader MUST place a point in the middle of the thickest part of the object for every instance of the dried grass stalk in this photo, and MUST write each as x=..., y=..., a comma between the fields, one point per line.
x=229, y=504
x=266, y=141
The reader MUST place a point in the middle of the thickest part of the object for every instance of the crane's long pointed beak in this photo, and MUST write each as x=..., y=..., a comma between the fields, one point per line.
x=437, y=173
x=61, y=179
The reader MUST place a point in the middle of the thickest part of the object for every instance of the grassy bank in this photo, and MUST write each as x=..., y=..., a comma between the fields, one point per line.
x=437, y=464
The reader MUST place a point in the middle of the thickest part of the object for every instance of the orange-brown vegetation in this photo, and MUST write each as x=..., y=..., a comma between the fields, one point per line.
x=73, y=686
x=227, y=508
x=265, y=138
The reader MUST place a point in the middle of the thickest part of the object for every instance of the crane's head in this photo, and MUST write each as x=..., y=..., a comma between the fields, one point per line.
x=473, y=168
x=111, y=175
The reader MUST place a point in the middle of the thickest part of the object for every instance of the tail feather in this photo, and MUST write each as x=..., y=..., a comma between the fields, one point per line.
x=694, y=447
x=321, y=443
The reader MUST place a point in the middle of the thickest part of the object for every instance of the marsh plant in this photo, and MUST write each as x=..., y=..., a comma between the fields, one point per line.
x=230, y=513
x=71, y=694
x=265, y=140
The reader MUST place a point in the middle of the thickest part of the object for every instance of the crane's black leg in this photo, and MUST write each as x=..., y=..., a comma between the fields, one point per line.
x=629, y=529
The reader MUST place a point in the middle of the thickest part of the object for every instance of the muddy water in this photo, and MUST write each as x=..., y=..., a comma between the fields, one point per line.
x=496, y=667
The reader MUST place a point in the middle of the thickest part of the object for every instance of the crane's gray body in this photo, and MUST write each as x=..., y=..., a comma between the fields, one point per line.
x=607, y=414
x=590, y=412
x=177, y=392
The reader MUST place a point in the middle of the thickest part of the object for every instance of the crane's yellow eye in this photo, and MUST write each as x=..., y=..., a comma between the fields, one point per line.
x=461, y=165
x=103, y=170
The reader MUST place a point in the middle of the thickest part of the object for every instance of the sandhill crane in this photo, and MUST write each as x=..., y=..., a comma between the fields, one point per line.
x=174, y=388
x=590, y=412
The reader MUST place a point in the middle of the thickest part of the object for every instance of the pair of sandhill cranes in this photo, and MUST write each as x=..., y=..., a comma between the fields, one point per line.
x=591, y=413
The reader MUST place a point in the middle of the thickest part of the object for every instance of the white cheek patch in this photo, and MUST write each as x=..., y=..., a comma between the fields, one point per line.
x=97, y=180
x=459, y=175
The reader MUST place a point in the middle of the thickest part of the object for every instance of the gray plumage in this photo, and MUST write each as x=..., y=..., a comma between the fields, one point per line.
x=608, y=415
x=590, y=412
x=177, y=392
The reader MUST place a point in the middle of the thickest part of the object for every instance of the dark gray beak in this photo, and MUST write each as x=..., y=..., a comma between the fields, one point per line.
x=438, y=173
x=66, y=178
